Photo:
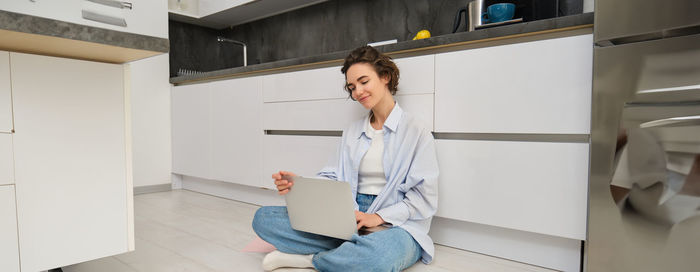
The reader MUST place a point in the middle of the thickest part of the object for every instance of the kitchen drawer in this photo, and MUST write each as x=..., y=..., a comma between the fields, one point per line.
x=530, y=186
x=303, y=155
x=5, y=93
x=7, y=169
x=417, y=75
x=336, y=114
x=9, y=247
x=533, y=87
x=148, y=18
x=322, y=83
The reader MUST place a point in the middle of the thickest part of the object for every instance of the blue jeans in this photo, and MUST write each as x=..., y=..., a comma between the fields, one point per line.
x=389, y=250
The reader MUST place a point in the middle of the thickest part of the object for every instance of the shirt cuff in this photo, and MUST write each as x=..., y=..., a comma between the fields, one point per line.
x=396, y=214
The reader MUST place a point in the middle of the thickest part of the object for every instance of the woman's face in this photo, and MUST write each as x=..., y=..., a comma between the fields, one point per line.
x=366, y=86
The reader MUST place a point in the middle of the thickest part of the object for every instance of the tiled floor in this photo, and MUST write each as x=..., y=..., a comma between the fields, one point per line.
x=187, y=231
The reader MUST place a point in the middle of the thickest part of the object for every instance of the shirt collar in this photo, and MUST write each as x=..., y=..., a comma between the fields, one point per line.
x=391, y=123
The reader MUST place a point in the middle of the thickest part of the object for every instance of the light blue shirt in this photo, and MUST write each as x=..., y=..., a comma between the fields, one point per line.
x=410, y=198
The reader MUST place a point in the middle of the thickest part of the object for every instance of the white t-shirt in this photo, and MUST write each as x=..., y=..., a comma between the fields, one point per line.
x=371, y=172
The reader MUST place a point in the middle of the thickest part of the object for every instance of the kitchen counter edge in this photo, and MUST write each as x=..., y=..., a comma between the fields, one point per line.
x=39, y=29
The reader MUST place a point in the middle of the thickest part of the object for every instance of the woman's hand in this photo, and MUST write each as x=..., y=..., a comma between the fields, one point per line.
x=283, y=185
x=368, y=220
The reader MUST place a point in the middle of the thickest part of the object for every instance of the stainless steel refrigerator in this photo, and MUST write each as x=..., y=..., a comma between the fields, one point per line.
x=644, y=184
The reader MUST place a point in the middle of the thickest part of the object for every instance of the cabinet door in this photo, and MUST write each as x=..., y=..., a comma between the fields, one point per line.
x=5, y=93
x=533, y=87
x=7, y=168
x=303, y=155
x=236, y=130
x=9, y=250
x=529, y=186
x=191, y=130
x=70, y=160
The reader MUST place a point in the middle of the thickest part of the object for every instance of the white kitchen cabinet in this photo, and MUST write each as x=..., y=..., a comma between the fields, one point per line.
x=533, y=87
x=236, y=130
x=209, y=7
x=303, y=155
x=314, y=84
x=5, y=93
x=528, y=186
x=9, y=249
x=191, y=130
x=148, y=18
x=72, y=161
x=7, y=168
x=219, y=14
x=416, y=75
x=418, y=105
x=336, y=114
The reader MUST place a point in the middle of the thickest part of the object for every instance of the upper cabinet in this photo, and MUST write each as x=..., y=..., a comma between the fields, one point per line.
x=148, y=18
x=5, y=94
x=220, y=14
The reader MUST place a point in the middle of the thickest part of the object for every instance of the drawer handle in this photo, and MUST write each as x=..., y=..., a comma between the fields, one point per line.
x=113, y=3
x=89, y=15
x=683, y=121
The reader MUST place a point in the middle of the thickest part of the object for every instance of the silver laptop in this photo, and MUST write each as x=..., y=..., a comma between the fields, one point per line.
x=322, y=207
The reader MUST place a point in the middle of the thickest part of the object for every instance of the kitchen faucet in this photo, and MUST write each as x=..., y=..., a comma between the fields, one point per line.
x=245, y=59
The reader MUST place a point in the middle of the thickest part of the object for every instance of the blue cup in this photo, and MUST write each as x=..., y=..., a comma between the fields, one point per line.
x=498, y=13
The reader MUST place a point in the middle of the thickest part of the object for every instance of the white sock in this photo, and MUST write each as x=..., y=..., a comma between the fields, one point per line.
x=277, y=259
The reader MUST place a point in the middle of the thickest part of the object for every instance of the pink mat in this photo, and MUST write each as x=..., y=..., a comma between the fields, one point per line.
x=258, y=245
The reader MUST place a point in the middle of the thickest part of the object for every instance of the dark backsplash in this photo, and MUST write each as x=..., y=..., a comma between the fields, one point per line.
x=323, y=28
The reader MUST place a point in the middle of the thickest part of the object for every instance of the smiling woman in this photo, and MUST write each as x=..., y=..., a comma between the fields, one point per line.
x=390, y=163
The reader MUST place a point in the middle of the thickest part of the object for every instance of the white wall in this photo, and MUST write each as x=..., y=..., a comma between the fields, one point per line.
x=150, y=120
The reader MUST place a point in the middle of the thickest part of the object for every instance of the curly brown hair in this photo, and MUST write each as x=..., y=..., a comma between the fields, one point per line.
x=382, y=64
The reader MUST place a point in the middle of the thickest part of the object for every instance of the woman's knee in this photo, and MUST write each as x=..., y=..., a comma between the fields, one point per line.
x=399, y=254
x=264, y=217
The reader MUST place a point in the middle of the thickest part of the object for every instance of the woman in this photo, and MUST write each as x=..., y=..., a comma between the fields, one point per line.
x=389, y=161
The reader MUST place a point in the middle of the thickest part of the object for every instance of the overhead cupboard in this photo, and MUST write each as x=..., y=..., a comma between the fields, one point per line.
x=511, y=129
x=67, y=161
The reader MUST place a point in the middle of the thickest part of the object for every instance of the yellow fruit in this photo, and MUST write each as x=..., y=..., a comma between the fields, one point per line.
x=423, y=34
